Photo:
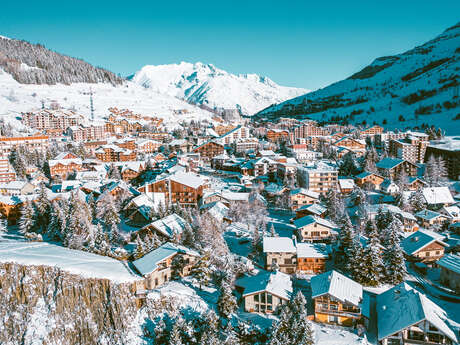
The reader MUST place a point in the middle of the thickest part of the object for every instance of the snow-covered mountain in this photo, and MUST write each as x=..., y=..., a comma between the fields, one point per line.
x=205, y=84
x=31, y=75
x=416, y=87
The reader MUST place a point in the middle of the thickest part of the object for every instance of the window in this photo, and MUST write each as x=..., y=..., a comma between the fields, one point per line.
x=256, y=298
x=334, y=307
x=269, y=299
x=262, y=300
x=333, y=319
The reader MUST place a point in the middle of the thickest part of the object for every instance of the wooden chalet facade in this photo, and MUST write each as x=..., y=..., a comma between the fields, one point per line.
x=209, y=150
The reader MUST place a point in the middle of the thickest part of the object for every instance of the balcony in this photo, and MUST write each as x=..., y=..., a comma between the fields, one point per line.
x=342, y=313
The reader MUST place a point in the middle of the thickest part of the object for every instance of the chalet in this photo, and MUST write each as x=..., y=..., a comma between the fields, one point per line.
x=130, y=170
x=216, y=210
x=371, y=131
x=17, y=188
x=169, y=227
x=406, y=316
x=209, y=150
x=114, y=153
x=424, y=246
x=280, y=253
x=415, y=183
x=369, y=179
x=181, y=188
x=275, y=135
x=311, y=210
x=10, y=207
x=147, y=146
x=64, y=164
x=452, y=213
x=388, y=186
x=437, y=196
x=156, y=266
x=346, y=185
x=315, y=229
x=427, y=218
x=450, y=271
x=393, y=167
x=239, y=132
x=265, y=292
x=337, y=299
x=299, y=197
x=311, y=258
x=351, y=144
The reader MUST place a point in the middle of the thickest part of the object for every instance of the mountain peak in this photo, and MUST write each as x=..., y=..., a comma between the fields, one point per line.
x=201, y=83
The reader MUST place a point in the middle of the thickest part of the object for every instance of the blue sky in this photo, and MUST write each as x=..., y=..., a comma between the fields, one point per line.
x=297, y=43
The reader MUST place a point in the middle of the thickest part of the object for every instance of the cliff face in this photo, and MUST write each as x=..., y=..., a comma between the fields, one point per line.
x=44, y=305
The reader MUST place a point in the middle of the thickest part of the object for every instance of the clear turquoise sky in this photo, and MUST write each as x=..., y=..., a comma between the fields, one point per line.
x=297, y=43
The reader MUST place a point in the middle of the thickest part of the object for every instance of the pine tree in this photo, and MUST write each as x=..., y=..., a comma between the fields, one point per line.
x=395, y=267
x=42, y=207
x=175, y=337
x=441, y=170
x=140, y=249
x=372, y=262
x=273, y=233
x=201, y=271
x=210, y=333
x=226, y=304
x=355, y=259
x=107, y=211
x=344, y=241
x=431, y=171
x=293, y=326
x=28, y=218
x=417, y=201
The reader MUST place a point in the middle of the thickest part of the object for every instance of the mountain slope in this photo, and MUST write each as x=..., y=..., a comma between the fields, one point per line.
x=205, y=84
x=412, y=88
x=34, y=64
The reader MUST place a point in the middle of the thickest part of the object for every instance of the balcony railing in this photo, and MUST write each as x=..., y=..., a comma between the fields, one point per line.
x=338, y=312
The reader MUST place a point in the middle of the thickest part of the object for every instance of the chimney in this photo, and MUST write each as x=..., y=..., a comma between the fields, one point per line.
x=294, y=239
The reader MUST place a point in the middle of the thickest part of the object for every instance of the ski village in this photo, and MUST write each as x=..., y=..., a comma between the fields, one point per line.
x=135, y=223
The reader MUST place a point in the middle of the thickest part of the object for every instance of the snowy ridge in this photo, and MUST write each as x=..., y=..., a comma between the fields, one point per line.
x=205, y=84
x=16, y=98
x=415, y=85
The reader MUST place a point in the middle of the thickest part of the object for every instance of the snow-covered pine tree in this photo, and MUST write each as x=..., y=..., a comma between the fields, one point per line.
x=42, y=207
x=395, y=265
x=201, y=271
x=107, y=211
x=431, y=171
x=175, y=337
x=210, y=333
x=372, y=262
x=27, y=221
x=273, y=233
x=3, y=226
x=345, y=240
x=226, y=304
x=140, y=248
x=355, y=259
x=417, y=201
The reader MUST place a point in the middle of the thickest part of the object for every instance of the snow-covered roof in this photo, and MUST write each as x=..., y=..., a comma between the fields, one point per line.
x=170, y=225
x=338, y=286
x=346, y=183
x=14, y=185
x=316, y=209
x=450, y=262
x=188, y=179
x=452, y=211
x=420, y=239
x=437, y=195
x=276, y=283
x=149, y=262
x=310, y=193
x=311, y=250
x=402, y=306
x=278, y=245
x=428, y=214
x=216, y=209
x=304, y=221
x=389, y=163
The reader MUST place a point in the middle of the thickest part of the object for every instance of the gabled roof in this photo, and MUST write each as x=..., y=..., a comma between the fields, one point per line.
x=278, y=245
x=188, y=179
x=346, y=183
x=276, y=283
x=338, y=286
x=402, y=306
x=419, y=240
x=428, y=214
x=149, y=262
x=450, y=262
x=437, y=195
x=304, y=221
x=389, y=163
x=311, y=250
x=316, y=209
x=304, y=191
x=170, y=225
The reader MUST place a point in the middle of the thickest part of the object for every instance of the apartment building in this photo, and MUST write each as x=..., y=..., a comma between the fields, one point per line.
x=319, y=177
x=48, y=119
x=412, y=148
x=85, y=133
x=34, y=142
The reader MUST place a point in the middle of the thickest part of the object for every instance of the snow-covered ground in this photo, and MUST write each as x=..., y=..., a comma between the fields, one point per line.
x=16, y=98
x=14, y=249
x=375, y=96
x=205, y=84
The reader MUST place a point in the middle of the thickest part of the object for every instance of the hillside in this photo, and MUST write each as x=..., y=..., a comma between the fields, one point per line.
x=34, y=64
x=205, y=84
x=420, y=86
